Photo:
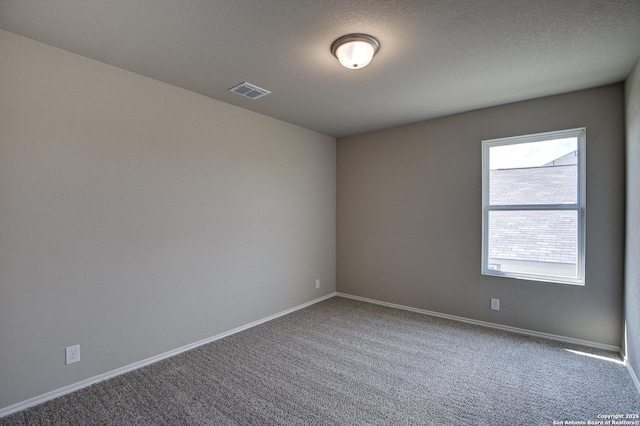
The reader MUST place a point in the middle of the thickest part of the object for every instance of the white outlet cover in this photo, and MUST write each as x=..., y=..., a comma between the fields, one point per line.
x=495, y=304
x=72, y=354
x=317, y=283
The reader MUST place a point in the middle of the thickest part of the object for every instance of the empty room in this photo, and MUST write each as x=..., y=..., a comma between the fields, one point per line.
x=288, y=212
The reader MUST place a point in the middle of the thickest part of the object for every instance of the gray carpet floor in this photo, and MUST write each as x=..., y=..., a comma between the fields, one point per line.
x=344, y=362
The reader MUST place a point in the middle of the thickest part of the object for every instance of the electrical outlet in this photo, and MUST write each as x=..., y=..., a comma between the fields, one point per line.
x=72, y=354
x=495, y=304
x=317, y=283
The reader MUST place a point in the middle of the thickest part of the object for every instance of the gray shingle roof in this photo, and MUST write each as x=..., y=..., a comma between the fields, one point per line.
x=540, y=236
x=534, y=185
x=534, y=236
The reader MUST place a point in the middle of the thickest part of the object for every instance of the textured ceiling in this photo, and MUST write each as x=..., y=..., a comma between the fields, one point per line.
x=436, y=57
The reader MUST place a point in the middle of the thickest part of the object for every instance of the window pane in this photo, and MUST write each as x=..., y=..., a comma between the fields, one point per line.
x=534, y=242
x=543, y=172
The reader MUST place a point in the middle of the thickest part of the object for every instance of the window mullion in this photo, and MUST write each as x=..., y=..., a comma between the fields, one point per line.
x=520, y=207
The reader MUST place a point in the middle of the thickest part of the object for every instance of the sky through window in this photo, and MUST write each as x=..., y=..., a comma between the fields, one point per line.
x=530, y=154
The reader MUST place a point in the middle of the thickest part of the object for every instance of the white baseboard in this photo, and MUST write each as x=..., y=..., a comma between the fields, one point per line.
x=487, y=324
x=119, y=371
x=633, y=375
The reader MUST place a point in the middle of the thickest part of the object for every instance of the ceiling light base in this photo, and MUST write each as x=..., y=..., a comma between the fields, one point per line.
x=355, y=51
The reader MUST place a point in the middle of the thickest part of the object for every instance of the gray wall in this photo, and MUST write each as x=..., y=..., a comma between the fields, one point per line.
x=409, y=217
x=632, y=276
x=137, y=217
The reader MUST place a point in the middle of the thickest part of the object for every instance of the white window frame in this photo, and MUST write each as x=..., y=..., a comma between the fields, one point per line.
x=579, y=207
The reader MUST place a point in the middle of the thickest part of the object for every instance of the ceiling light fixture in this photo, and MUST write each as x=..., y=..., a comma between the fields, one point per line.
x=355, y=51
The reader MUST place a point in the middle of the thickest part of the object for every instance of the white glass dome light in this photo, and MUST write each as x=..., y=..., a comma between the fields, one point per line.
x=355, y=51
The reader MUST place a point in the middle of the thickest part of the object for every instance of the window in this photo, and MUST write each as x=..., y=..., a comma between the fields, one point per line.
x=533, y=213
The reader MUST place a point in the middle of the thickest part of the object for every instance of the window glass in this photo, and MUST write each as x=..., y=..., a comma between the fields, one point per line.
x=531, y=241
x=533, y=207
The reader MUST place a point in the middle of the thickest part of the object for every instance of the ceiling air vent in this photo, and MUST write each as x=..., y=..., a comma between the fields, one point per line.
x=249, y=90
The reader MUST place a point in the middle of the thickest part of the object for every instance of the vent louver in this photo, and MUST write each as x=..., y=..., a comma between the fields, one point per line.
x=249, y=90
